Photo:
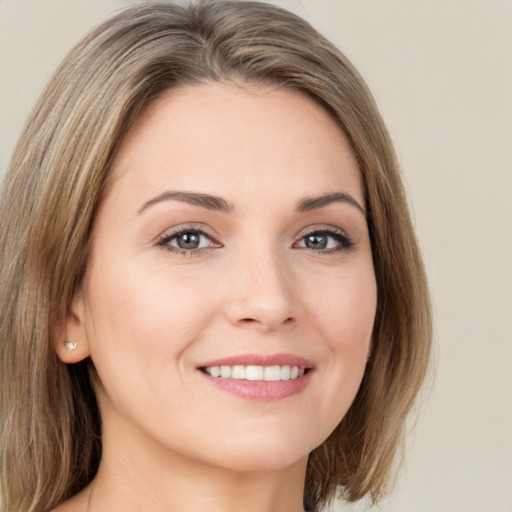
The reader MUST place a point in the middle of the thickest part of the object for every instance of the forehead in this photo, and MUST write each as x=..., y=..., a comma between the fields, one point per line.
x=225, y=138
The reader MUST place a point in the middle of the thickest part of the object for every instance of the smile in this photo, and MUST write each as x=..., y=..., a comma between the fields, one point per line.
x=263, y=377
x=255, y=372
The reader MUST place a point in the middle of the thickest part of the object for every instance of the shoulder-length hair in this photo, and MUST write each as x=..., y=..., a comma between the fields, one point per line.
x=50, y=427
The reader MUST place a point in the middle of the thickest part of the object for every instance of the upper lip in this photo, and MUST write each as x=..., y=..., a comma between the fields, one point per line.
x=260, y=360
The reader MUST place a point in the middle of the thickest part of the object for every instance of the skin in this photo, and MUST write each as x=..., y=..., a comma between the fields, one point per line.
x=148, y=313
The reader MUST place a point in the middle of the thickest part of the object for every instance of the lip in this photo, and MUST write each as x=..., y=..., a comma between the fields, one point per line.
x=261, y=360
x=265, y=391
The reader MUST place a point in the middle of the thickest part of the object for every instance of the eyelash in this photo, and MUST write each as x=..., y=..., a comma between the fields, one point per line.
x=165, y=241
x=344, y=242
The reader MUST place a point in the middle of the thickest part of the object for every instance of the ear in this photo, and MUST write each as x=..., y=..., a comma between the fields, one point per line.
x=70, y=337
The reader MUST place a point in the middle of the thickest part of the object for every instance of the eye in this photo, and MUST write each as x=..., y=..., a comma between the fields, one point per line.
x=187, y=241
x=325, y=240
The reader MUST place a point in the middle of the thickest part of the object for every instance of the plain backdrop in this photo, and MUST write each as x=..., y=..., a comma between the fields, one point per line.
x=441, y=71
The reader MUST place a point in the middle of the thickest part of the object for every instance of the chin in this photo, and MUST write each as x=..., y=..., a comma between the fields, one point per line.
x=269, y=452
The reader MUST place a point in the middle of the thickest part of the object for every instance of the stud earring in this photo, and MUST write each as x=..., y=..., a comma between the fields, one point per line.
x=70, y=345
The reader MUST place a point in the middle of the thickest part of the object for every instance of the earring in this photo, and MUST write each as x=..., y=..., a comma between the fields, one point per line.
x=70, y=345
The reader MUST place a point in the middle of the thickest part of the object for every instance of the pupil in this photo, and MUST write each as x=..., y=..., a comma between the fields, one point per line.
x=316, y=241
x=188, y=241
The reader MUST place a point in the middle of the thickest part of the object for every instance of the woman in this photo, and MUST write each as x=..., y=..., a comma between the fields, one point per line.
x=212, y=297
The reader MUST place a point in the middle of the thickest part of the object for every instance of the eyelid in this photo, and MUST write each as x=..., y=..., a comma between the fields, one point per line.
x=340, y=235
x=164, y=239
x=343, y=240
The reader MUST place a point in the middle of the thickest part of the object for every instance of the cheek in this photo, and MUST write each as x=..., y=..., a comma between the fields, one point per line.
x=141, y=322
x=343, y=323
x=345, y=311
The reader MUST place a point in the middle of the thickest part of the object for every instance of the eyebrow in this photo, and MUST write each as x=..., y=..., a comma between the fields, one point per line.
x=313, y=203
x=216, y=203
x=203, y=200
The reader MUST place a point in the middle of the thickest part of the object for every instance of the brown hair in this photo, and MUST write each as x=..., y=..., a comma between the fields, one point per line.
x=50, y=427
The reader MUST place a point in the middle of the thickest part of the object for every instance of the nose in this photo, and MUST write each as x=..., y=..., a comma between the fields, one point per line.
x=262, y=294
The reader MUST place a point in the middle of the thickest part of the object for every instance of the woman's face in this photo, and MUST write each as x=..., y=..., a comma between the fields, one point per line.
x=231, y=240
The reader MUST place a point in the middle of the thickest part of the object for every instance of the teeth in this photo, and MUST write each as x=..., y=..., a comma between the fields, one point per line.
x=267, y=373
x=254, y=372
x=215, y=371
x=238, y=372
x=272, y=373
x=285, y=372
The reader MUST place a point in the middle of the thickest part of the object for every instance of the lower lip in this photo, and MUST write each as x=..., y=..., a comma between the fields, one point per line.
x=261, y=389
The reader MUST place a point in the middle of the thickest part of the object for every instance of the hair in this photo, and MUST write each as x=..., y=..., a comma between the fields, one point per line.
x=50, y=438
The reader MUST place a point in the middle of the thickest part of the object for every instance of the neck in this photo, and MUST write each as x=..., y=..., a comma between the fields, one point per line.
x=137, y=473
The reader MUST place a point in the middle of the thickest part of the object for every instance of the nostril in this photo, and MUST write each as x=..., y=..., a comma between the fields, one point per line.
x=252, y=321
